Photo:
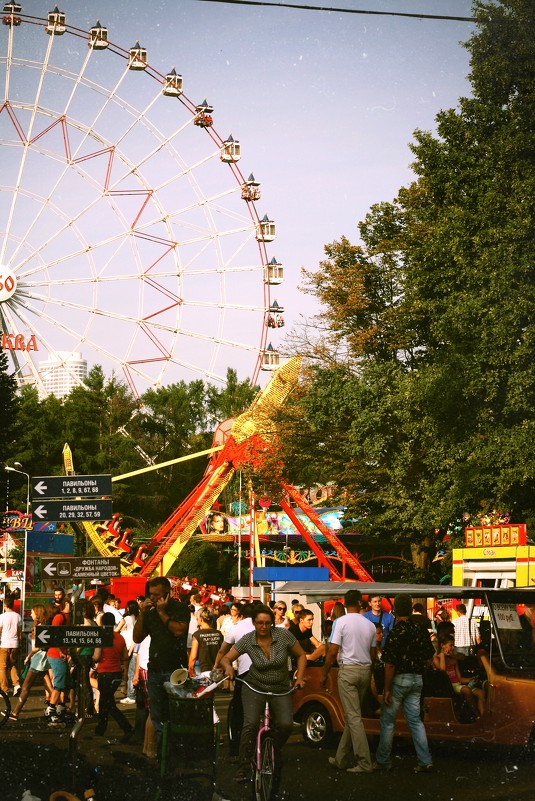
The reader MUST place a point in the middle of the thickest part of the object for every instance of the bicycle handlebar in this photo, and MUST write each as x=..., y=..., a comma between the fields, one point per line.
x=263, y=692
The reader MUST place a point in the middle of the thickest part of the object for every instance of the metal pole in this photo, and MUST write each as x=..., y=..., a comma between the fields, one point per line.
x=240, y=527
x=23, y=593
x=252, y=532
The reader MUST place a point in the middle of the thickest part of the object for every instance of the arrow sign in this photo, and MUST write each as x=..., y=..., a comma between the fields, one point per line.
x=44, y=487
x=73, y=509
x=83, y=567
x=74, y=636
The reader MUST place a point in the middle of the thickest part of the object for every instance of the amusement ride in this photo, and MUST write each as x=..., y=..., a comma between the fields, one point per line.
x=130, y=235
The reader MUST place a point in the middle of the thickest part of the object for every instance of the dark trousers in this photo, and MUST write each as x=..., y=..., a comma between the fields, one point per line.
x=280, y=707
x=236, y=719
x=108, y=683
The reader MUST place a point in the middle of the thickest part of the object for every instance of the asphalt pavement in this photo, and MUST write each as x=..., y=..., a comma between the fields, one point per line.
x=43, y=760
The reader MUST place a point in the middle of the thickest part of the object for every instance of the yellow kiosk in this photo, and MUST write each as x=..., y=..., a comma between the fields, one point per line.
x=494, y=556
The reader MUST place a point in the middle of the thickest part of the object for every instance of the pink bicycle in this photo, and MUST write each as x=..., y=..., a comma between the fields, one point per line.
x=265, y=764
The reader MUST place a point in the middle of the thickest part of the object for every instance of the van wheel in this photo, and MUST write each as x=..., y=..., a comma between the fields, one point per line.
x=317, y=726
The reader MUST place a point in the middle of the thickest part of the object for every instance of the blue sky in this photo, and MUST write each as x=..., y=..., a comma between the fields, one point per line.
x=324, y=105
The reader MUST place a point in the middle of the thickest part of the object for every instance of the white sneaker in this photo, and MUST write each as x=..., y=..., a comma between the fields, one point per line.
x=127, y=701
x=16, y=690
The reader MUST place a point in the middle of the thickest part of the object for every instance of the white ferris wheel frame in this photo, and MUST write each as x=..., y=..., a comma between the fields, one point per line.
x=36, y=307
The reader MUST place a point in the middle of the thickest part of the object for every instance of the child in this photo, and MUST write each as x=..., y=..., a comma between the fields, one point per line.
x=446, y=661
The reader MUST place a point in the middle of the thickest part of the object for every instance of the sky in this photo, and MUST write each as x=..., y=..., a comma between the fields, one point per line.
x=324, y=105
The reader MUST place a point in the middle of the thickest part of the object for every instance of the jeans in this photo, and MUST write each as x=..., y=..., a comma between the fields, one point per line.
x=353, y=681
x=158, y=701
x=130, y=689
x=406, y=690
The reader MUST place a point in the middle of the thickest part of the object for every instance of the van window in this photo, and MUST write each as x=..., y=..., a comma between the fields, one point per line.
x=516, y=633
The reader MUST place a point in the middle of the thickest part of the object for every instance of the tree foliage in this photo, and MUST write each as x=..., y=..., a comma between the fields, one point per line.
x=110, y=431
x=425, y=404
x=8, y=415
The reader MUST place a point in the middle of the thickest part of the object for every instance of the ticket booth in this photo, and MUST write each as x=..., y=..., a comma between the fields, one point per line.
x=494, y=556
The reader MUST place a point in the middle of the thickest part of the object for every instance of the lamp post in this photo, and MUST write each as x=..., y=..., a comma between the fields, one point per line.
x=17, y=469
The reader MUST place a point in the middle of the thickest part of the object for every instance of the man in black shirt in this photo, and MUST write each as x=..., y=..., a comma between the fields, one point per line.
x=407, y=652
x=166, y=620
x=302, y=631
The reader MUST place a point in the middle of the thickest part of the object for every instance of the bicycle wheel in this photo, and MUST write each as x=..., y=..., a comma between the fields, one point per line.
x=5, y=708
x=265, y=769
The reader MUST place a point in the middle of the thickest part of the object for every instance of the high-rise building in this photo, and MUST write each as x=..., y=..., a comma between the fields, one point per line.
x=62, y=372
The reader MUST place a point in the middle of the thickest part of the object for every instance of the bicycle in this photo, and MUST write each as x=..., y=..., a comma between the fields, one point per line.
x=5, y=708
x=265, y=764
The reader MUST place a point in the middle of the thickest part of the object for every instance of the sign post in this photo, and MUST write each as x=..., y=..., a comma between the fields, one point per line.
x=73, y=509
x=81, y=568
x=74, y=636
x=45, y=487
x=72, y=498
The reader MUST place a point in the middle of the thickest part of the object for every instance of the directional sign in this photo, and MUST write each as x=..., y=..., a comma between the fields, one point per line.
x=83, y=567
x=44, y=487
x=95, y=509
x=73, y=636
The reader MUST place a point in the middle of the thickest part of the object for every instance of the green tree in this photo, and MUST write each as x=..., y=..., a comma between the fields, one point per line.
x=8, y=405
x=432, y=319
x=229, y=401
x=208, y=563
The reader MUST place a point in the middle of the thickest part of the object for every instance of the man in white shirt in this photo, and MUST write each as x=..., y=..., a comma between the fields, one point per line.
x=353, y=645
x=466, y=633
x=108, y=607
x=10, y=634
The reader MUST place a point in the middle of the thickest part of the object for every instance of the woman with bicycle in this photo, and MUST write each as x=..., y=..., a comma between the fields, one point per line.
x=269, y=649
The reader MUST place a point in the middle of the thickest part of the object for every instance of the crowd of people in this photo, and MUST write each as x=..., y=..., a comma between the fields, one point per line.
x=268, y=646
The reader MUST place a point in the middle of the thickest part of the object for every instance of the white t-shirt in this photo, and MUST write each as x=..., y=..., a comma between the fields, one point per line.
x=236, y=633
x=10, y=623
x=115, y=612
x=192, y=628
x=355, y=635
x=127, y=632
x=143, y=653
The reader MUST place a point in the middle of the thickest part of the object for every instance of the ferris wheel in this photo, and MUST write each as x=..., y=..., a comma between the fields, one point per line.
x=128, y=235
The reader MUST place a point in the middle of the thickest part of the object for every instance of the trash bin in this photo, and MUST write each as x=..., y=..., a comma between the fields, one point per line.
x=189, y=743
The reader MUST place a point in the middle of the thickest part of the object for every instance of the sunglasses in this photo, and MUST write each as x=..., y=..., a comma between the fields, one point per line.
x=283, y=608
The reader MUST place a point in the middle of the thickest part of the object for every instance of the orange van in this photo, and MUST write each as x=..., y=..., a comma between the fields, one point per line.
x=503, y=662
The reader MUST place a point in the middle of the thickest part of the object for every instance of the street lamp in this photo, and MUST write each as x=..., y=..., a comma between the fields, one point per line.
x=17, y=469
